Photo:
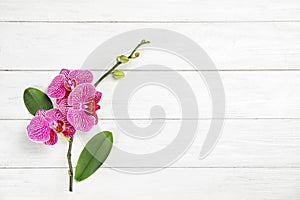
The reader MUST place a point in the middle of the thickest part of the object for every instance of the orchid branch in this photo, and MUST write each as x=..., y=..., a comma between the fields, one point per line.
x=120, y=60
x=132, y=55
x=70, y=172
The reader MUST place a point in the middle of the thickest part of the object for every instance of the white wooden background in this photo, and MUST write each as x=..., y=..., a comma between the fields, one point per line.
x=256, y=48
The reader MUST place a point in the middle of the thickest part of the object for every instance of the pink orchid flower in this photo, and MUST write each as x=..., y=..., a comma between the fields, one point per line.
x=66, y=81
x=46, y=124
x=81, y=107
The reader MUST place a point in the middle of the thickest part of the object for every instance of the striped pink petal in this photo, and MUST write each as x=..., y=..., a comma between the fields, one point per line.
x=64, y=72
x=81, y=94
x=38, y=130
x=54, y=114
x=56, y=88
x=80, y=120
x=98, y=96
x=40, y=113
x=69, y=132
x=96, y=117
x=65, y=97
x=53, y=138
x=63, y=106
x=81, y=76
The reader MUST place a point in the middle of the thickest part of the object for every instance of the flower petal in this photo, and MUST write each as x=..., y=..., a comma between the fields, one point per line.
x=54, y=114
x=64, y=72
x=53, y=138
x=96, y=118
x=81, y=94
x=69, y=132
x=56, y=88
x=65, y=97
x=38, y=130
x=81, y=76
x=40, y=113
x=63, y=106
x=80, y=120
x=98, y=96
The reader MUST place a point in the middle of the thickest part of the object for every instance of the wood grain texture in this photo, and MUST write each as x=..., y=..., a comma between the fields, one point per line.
x=244, y=143
x=231, y=46
x=228, y=184
x=255, y=47
x=255, y=94
x=173, y=10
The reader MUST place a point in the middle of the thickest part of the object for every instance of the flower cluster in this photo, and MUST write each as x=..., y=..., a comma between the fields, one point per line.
x=76, y=106
x=77, y=101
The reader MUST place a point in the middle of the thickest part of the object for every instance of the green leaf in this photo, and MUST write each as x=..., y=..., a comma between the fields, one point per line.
x=35, y=100
x=93, y=155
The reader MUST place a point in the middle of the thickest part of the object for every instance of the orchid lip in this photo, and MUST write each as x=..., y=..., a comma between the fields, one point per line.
x=70, y=84
x=58, y=126
x=90, y=107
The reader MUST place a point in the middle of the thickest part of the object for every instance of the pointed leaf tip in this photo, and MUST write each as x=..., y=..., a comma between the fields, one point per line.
x=93, y=155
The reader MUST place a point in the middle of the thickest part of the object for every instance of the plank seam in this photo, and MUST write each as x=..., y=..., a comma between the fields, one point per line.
x=150, y=70
x=212, y=167
x=170, y=119
x=150, y=21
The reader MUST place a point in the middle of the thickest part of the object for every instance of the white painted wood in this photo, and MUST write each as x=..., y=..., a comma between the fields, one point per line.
x=244, y=143
x=254, y=43
x=251, y=94
x=193, y=184
x=134, y=10
x=232, y=46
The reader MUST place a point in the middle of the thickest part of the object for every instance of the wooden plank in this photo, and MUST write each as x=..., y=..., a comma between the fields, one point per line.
x=190, y=184
x=244, y=143
x=231, y=46
x=203, y=10
x=251, y=94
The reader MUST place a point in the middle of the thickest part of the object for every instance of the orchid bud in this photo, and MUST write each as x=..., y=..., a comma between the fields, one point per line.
x=136, y=54
x=122, y=59
x=118, y=74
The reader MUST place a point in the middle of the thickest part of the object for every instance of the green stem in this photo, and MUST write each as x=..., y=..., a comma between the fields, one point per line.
x=70, y=165
x=107, y=73
x=63, y=136
x=131, y=56
x=136, y=48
